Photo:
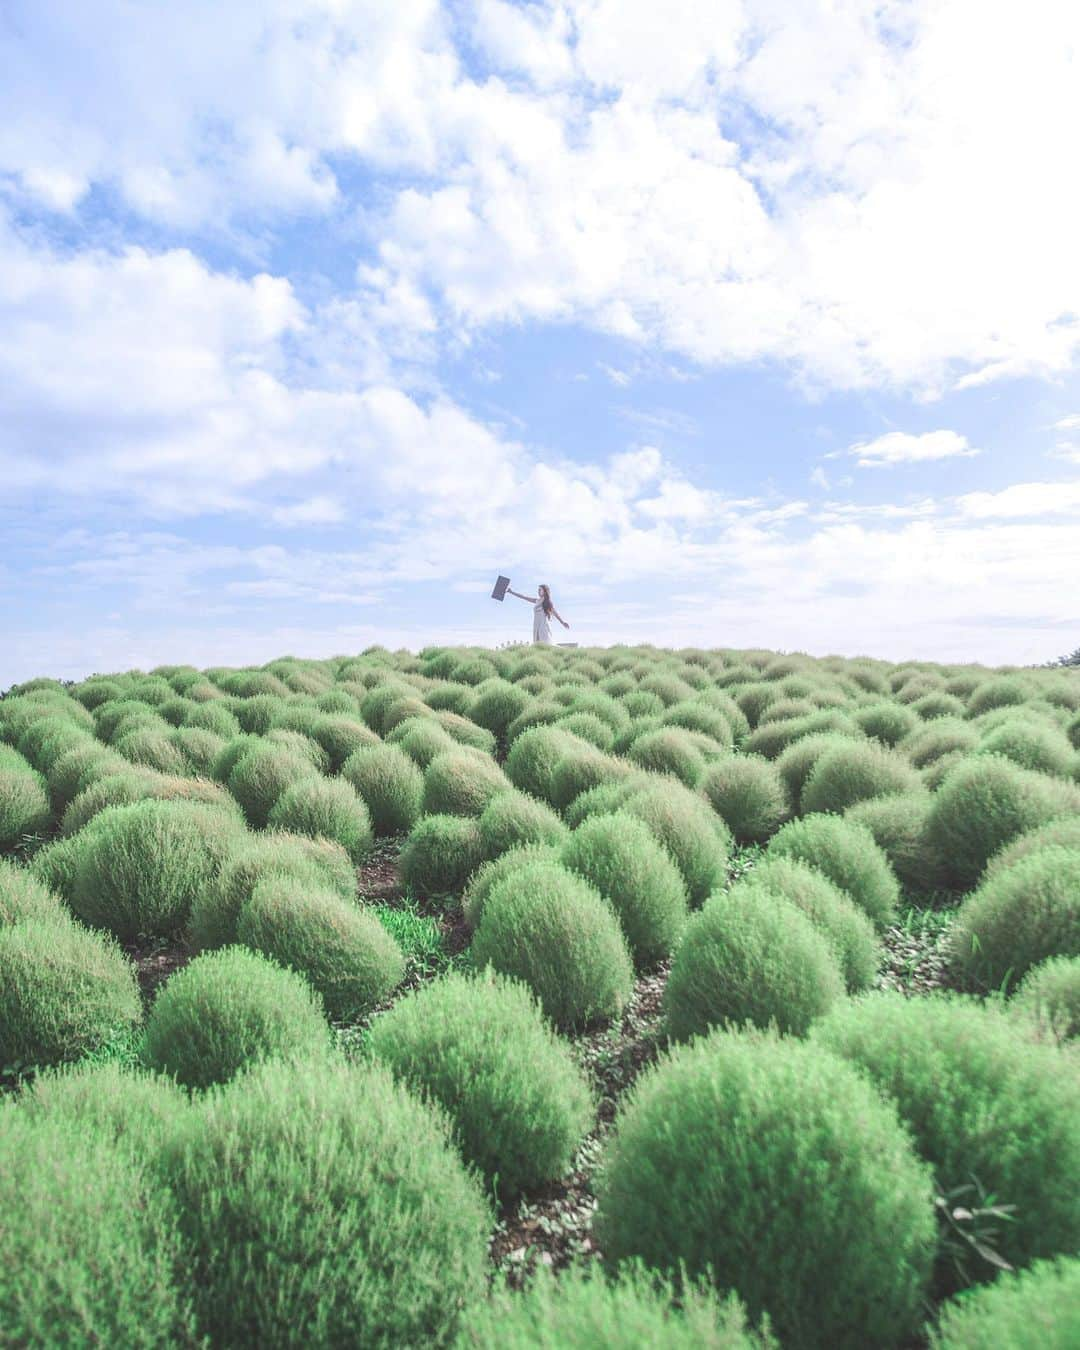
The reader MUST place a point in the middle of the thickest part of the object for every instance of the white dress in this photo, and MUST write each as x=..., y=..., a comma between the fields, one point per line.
x=541, y=623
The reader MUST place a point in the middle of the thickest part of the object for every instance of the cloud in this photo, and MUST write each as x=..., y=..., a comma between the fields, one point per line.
x=899, y=447
x=1022, y=499
x=1070, y=423
x=828, y=186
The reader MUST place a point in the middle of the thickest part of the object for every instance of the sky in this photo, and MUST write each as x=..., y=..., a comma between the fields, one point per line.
x=741, y=323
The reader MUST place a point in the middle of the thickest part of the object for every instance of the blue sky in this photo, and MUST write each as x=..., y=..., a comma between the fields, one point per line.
x=745, y=324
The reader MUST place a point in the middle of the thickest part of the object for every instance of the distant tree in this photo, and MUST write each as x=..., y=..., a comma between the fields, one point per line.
x=1073, y=659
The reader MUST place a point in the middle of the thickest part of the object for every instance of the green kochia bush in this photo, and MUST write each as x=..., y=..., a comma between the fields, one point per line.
x=421, y=739
x=483, y=1050
x=1036, y=1309
x=751, y=956
x=461, y=783
x=982, y=1100
x=669, y=750
x=848, y=930
x=343, y=951
x=229, y=1009
x=497, y=704
x=322, y=1205
x=549, y=928
x=1064, y=832
x=579, y=770
x=24, y=896
x=262, y=774
x=983, y=804
x=776, y=1168
x=695, y=836
x=89, y=1252
x=390, y=784
x=216, y=908
x=1019, y=917
x=441, y=854
x=1050, y=995
x=582, y=1310
x=512, y=818
x=530, y=765
x=130, y=1106
x=24, y=804
x=855, y=772
x=888, y=723
x=898, y=825
x=327, y=808
x=619, y=856
x=748, y=794
x=845, y=852
x=1044, y=749
x=487, y=876
x=63, y=991
x=140, y=867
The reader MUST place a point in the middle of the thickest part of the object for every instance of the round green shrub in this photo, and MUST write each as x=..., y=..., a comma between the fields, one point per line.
x=899, y=825
x=849, y=932
x=1042, y=748
x=199, y=748
x=128, y=1106
x=351, y=1221
x=341, y=737
x=888, y=723
x=466, y=732
x=1064, y=832
x=535, y=715
x=24, y=806
x=772, y=1166
x=63, y=991
x=55, y=866
x=856, y=771
x=533, y=757
x=589, y=728
x=140, y=868
x=695, y=715
x=261, y=775
x=212, y=717
x=390, y=784
x=605, y=798
x=697, y=839
x=319, y=862
x=797, y=762
x=461, y=783
x=930, y=744
x=581, y=769
x=641, y=703
x=299, y=744
x=49, y=738
x=152, y=748
x=619, y=856
x=772, y=739
x=513, y=818
x=327, y=808
x=82, y=765
x=937, y=705
x=441, y=853
x=845, y=852
x=228, y=1009
x=579, y=1309
x=1035, y=1309
x=343, y=951
x=483, y=1050
x=421, y=739
x=231, y=754
x=550, y=929
x=748, y=794
x=258, y=713
x=450, y=697
x=983, y=1101
x=1003, y=692
x=24, y=896
x=983, y=804
x=750, y=956
x=1050, y=994
x=490, y=873
x=116, y=789
x=89, y=1252
x=669, y=750
x=496, y=705
x=1018, y=918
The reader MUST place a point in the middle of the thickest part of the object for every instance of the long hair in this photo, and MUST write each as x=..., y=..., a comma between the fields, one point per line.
x=545, y=599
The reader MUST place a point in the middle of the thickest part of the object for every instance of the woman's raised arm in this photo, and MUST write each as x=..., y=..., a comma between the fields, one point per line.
x=530, y=598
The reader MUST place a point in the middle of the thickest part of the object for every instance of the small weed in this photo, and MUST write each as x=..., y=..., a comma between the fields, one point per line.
x=417, y=935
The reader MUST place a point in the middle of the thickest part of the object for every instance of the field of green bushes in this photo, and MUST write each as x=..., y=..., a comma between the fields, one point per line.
x=540, y=997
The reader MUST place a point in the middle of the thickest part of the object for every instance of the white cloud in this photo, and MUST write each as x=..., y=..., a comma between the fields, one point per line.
x=1022, y=499
x=900, y=447
x=820, y=478
x=1070, y=423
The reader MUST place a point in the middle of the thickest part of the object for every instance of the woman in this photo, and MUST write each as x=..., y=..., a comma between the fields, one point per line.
x=543, y=609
